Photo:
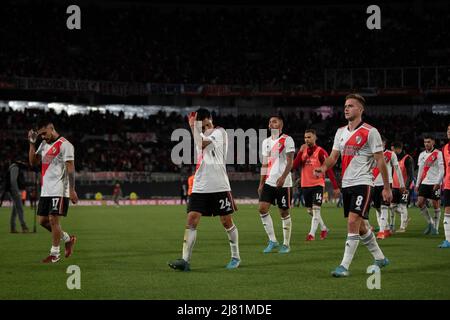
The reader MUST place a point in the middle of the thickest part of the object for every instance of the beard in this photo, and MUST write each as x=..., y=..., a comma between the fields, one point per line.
x=351, y=118
x=275, y=132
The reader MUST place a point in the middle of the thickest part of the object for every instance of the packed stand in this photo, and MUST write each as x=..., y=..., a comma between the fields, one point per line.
x=102, y=143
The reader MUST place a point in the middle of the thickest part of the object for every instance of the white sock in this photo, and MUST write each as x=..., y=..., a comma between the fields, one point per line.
x=233, y=236
x=392, y=216
x=447, y=226
x=424, y=212
x=322, y=225
x=54, y=251
x=378, y=217
x=384, y=218
x=268, y=226
x=65, y=237
x=350, y=248
x=404, y=215
x=287, y=229
x=395, y=208
x=190, y=235
x=437, y=218
x=315, y=221
x=371, y=243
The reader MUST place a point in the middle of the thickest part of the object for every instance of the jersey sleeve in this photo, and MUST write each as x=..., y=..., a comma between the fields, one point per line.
x=289, y=145
x=441, y=166
x=336, y=140
x=323, y=155
x=420, y=161
x=297, y=160
x=374, y=141
x=217, y=137
x=264, y=150
x=68, y=152
x=394, y=159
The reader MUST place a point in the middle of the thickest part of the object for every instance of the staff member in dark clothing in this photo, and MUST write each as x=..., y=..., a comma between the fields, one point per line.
x=14, y=183
x=183, y=191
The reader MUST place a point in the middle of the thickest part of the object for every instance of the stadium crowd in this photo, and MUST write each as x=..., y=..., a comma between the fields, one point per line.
x=103, y=140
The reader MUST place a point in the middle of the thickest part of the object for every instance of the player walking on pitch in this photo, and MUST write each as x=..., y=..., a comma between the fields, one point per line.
x=310, y=157
x=56, y=154
x=276, y=182
x=211, y=192
x=429, y=178
x=381, y=206
x=360, y=146
x=400, y=199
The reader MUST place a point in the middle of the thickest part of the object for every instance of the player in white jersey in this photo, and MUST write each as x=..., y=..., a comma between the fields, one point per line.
x=276, y=182
x=400, y=198
x=429, y=179
x=56, y=156
x=381, y=206
x=211, y=192
x=361, y=148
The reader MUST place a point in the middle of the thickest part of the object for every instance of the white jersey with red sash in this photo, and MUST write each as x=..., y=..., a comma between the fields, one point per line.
x=402, y=166
x=446, y=155
x=431, y=167
x=391, y=160
x=54, y=181
x=275, y=150
x=357, y=148
x=211, y=173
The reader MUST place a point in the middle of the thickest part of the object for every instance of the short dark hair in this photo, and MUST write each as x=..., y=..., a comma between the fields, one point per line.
x=397, y=145
x=43, y=122
x=428, y=136
x=358, y=97
x=277, y=115
x=203, y=114
x=311, y=131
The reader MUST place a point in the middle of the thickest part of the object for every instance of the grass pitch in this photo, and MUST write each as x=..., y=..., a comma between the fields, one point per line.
x=123, y=253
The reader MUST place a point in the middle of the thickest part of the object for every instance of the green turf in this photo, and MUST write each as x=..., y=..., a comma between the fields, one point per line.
x=123, y=254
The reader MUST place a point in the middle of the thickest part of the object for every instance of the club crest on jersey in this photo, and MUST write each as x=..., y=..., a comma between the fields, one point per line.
x=53, y=150
x=358, y=139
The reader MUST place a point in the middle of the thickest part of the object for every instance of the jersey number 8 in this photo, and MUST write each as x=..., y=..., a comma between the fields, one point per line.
x=359, y=200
